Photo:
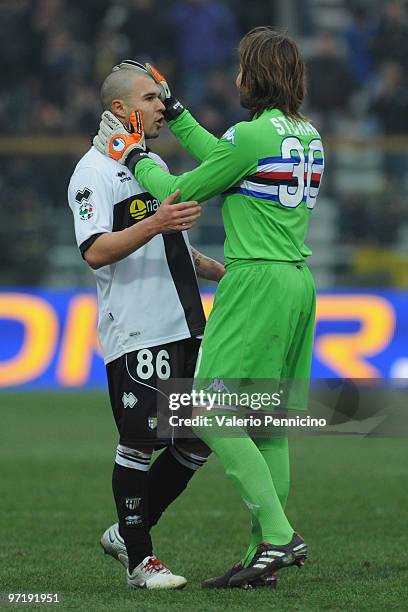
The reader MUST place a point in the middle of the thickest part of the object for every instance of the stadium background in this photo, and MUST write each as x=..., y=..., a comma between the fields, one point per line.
x=54, y=55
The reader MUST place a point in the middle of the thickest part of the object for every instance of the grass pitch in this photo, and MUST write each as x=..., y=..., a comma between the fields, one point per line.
x=348, y=499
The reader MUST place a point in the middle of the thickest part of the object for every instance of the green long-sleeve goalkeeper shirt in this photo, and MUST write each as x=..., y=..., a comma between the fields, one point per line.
x=268, y=171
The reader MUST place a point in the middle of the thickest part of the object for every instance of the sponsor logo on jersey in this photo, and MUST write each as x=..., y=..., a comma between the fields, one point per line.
x=140, y=210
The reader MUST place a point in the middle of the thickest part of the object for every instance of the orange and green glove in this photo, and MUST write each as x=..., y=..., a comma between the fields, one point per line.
x=174, y=107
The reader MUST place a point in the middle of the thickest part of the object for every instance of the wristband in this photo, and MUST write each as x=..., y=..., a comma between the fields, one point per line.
x=134, y=157
x=174, y=108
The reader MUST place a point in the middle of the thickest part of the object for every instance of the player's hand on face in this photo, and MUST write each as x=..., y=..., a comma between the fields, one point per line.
x=116, y=141
x=161, y=82
x=173, y=107
x=171, y=217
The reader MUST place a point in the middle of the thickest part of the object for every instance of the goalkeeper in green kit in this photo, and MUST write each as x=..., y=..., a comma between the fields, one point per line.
x=268, y=170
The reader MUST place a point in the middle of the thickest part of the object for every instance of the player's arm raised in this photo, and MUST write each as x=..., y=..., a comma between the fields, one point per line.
x=231, y=160
x=228, y=164
x=111, y=247
x=190, y=134
x=207, y=268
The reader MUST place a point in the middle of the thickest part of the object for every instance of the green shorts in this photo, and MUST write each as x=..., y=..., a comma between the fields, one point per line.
x=261, y=326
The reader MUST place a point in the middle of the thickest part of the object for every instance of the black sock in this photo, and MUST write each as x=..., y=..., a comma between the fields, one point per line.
x=168, y=477
x=130, y=489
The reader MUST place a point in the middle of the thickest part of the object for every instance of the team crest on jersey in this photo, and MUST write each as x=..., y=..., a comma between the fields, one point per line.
x=152, y=422
x=229, y=135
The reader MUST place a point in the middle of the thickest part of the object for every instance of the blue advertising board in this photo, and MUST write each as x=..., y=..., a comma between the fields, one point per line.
x=48, y=339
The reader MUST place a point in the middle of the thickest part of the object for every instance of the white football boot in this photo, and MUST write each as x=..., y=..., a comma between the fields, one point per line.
x=151, y=573
x=113, y=545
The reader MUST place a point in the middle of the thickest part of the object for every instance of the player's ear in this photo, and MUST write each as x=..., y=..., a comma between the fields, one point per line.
x=119, y=109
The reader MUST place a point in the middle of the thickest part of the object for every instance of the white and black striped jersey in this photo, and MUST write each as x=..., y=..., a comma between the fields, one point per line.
x=151, y=297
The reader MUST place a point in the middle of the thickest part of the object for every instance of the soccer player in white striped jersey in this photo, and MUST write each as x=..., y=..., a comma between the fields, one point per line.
x=150, y=322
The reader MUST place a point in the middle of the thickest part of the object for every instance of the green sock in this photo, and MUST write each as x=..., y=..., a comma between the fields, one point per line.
x=275, y=452
x=256, y=537
x=247, y=469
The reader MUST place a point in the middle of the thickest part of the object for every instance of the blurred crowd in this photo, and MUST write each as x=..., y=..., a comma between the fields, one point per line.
x=56, y=53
